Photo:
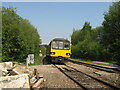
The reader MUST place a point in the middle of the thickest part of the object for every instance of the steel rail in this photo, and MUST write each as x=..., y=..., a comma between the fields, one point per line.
x=101, y=81
x=71, y=78
x=102, y=68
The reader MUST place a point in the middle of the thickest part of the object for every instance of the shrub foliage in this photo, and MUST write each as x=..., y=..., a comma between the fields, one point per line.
x=101, y=43
x=19, y=37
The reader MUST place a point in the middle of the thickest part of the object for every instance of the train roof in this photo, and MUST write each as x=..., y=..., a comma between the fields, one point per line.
x=61, y=39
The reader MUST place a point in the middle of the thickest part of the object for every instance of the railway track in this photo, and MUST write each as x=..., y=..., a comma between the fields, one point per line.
x=102, y=68
x=84, y=80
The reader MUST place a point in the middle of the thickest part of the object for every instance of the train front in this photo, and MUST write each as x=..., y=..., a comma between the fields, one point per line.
x=60, y=49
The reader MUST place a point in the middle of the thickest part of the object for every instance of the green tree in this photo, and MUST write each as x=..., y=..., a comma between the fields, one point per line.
x=19, y=37
x=111, y=32
x=101, y=43
x=88, y=42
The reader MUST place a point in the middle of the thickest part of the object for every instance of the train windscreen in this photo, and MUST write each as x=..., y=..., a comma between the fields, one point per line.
x=61, y=45
x=66, y=45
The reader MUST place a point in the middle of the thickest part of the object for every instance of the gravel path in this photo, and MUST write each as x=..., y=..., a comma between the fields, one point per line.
x=54, y=78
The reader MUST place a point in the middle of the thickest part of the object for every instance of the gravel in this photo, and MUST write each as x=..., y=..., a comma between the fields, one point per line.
x=54, y=78
x=112, y=77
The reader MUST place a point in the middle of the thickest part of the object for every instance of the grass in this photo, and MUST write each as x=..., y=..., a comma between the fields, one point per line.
x=38, y=59
x=0, y=57
x=96, y=62
x=103, y=64
x=83, y=60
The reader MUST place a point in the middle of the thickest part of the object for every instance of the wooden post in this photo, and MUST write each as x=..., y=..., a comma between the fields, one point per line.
x=36, y=73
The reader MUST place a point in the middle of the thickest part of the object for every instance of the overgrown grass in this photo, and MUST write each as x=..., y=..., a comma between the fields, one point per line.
x=38, y=59
x=83, y=60
x=96, y=62
x=100, y=64
x=0, y=57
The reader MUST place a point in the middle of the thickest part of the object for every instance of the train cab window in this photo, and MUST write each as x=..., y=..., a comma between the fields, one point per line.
x=60, y=44
x=66, y=45
x=55, y=44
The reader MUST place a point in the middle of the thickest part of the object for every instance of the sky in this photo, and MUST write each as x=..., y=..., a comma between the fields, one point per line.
x=58, y=19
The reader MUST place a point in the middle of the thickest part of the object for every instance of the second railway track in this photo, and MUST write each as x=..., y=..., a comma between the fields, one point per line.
x=84, y=80
x=99, y=67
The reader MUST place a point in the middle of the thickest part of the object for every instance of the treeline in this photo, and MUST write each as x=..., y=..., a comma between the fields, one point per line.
x=19, y=37
x=100, y=43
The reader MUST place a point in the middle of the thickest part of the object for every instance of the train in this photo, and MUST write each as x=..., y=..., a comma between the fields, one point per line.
x=58, y=50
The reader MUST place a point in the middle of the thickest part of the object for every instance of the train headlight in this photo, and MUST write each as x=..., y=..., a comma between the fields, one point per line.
x=68, y=54
x=52, y=53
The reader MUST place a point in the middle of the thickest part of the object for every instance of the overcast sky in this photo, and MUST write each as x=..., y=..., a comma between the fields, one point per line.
x=57, y=19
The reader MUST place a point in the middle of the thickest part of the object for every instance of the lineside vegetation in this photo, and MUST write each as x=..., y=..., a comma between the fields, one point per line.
x=19, y=37
x=101, y=43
